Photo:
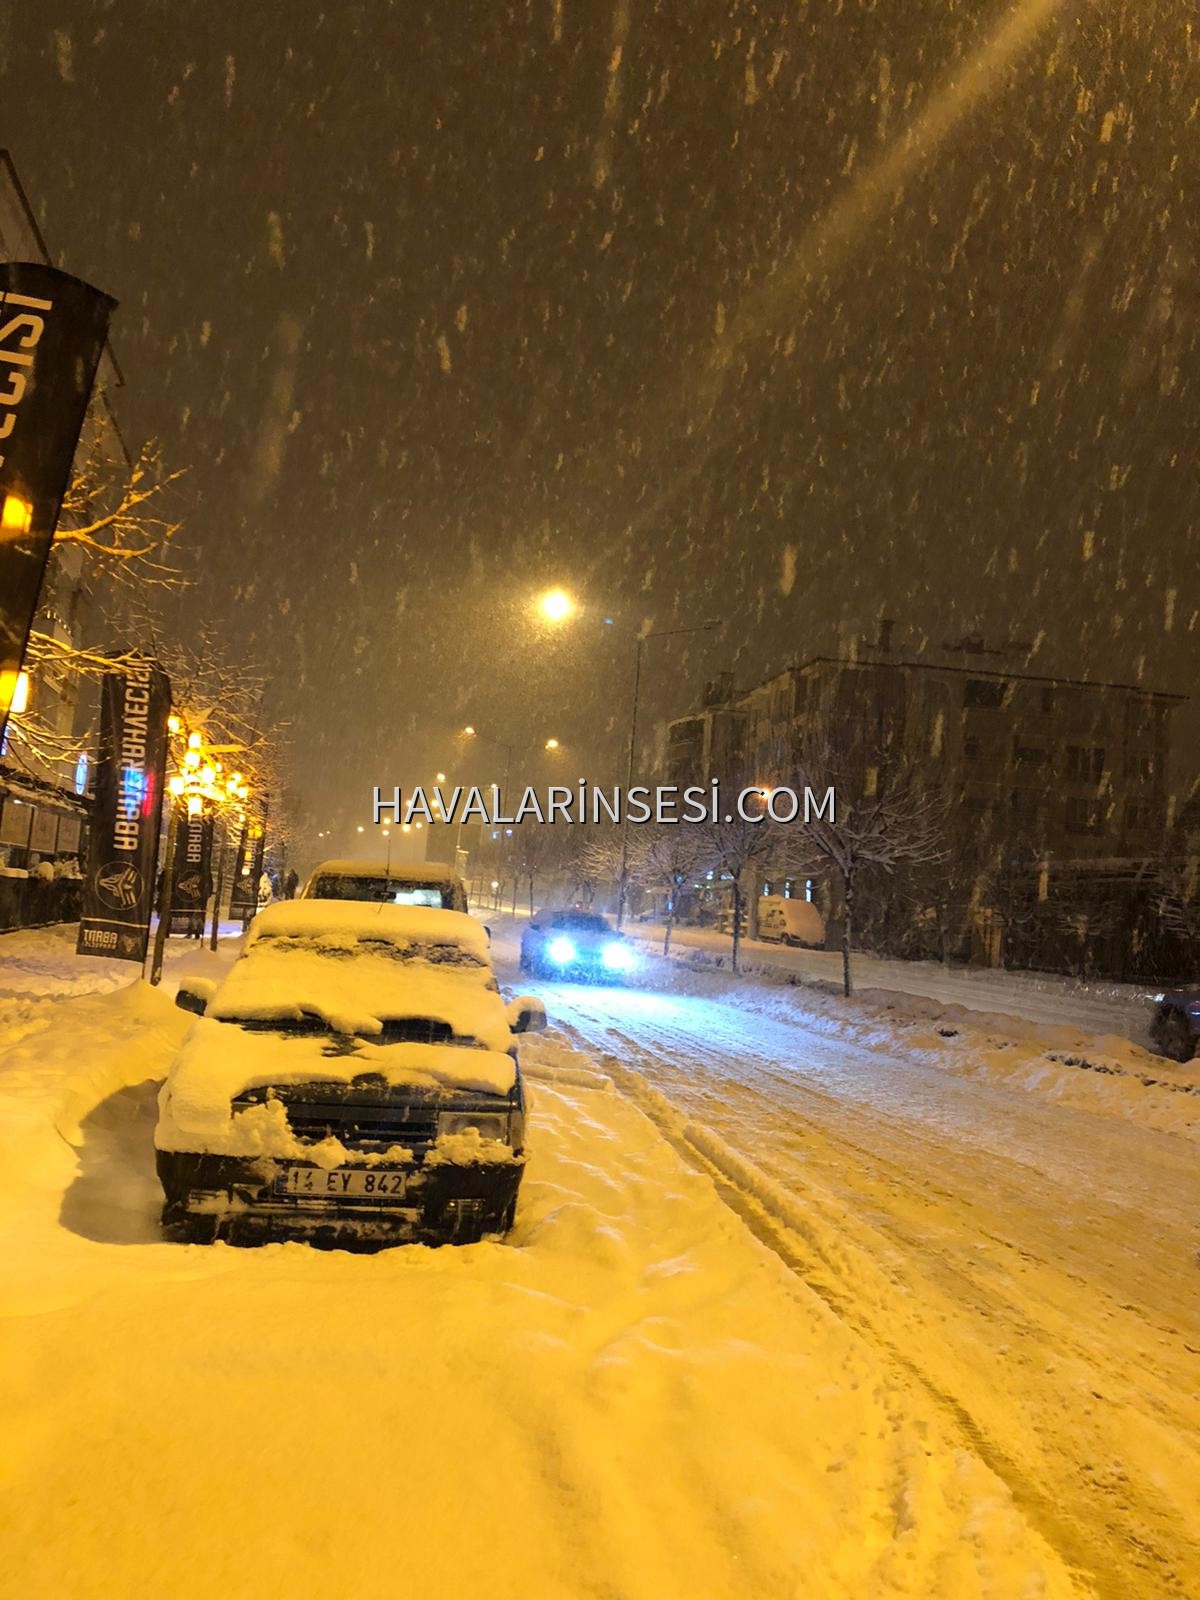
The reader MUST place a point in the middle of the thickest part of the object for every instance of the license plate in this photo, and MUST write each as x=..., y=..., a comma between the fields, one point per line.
x=356, y=1183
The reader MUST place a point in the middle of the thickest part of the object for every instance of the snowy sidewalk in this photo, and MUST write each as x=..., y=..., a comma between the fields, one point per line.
x=1096, y=1007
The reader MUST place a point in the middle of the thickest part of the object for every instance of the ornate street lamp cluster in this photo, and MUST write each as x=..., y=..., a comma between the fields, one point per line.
x=199, y=777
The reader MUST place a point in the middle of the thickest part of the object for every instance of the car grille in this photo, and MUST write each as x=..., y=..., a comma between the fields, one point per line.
x=361, y=1117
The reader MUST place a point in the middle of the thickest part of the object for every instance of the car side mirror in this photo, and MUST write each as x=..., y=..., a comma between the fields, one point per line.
x=526, y=1014
x=194, y=994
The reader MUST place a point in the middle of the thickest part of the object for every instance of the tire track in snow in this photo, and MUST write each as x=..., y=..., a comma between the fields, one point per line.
x=1105, y=1537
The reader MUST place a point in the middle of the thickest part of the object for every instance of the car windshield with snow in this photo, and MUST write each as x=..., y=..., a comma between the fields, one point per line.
x=428, y=883
x=353, y=1081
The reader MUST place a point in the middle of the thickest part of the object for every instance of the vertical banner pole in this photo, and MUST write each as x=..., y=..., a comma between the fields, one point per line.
x=164, y=897
x=219, y=846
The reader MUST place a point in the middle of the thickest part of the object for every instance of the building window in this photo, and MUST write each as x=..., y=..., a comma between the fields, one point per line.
x=1027, y=755
x=971, y=748
x=1084, y=816
x=1141, y=766
x=1084, y=763
x=1047, y=701
x=987, y=692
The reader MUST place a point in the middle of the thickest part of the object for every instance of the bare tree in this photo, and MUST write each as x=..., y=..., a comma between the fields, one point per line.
x=597, y=858
x=737, y=847
x=880, y=817
x=665, y=858
x=115, y=512
x=533, y=847
x=1177, y=892
x=113, y=525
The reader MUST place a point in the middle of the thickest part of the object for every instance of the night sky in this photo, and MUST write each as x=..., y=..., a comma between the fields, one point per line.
x=798, y=315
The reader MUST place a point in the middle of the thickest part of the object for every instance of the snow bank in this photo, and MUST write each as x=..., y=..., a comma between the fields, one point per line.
x=1100, y=1073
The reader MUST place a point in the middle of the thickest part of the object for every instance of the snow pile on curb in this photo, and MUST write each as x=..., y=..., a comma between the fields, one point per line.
x=1103, y=1074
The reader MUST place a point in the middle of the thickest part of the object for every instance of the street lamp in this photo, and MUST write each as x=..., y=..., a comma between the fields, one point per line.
x=556, y=605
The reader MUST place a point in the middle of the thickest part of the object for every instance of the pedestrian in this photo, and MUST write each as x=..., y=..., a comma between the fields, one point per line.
x=290, y=884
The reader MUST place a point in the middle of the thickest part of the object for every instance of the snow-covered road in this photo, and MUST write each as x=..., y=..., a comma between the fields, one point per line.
x=1021, y=1240
x=803, y=1299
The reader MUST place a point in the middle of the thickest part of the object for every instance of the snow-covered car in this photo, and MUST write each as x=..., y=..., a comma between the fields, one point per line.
x=575, y=944
x=424, y=883
x=1175, y=1027
x=785, y=921
x=352, y=1081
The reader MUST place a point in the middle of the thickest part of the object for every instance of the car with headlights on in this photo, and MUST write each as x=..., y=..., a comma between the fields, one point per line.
x=1175, y=1026
x=352, y=1082
x=575, y=944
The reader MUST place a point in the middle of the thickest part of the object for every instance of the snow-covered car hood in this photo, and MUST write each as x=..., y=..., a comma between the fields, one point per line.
x=219, y=1060
x=357, y=989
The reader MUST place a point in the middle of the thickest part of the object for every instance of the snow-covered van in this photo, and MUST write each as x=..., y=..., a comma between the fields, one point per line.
x=789, y=921
x=353, y=1081
x=422, y=883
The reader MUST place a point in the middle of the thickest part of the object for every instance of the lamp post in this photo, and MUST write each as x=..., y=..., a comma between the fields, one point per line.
x=198, y=783
x=556, y=606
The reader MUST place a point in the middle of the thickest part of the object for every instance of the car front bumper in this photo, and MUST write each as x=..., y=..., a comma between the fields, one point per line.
x=234, y=1198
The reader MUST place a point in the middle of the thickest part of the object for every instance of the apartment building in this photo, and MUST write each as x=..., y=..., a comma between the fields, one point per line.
x=1055, y=789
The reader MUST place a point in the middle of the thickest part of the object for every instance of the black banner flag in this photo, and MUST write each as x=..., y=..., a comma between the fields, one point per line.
x=118, y=891
x=243, y=897
x=193, y=870
x=52, y=330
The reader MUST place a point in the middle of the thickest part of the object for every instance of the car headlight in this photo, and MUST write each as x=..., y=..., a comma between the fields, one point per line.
x=561, y=951
x=488, y=1124
x=617, y=957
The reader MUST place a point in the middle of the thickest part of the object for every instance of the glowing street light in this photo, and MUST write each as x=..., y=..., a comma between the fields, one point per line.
x=556, y=605
x=551, y=744
x=16, y=514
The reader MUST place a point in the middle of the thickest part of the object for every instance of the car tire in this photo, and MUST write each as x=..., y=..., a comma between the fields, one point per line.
x=182, y=1228
x=1175, y=1037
